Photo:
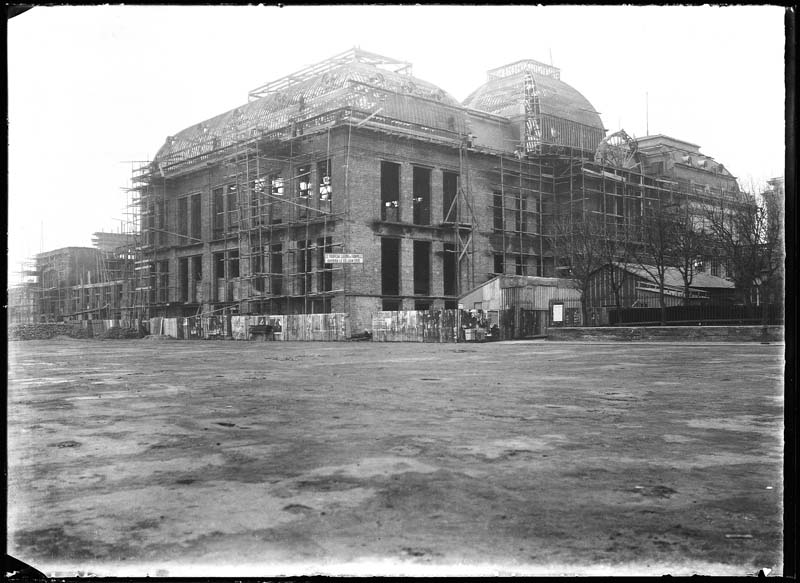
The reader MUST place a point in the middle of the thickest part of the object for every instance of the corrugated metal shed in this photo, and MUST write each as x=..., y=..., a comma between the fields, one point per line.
x=520, y=291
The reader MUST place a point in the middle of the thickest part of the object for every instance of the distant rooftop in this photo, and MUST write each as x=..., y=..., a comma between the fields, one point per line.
x=657, y=139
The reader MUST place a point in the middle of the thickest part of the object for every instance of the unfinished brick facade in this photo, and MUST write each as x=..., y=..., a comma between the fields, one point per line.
x=356, y=156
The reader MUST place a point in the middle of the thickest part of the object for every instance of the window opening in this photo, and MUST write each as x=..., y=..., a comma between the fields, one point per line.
x=276, y=270
x=257, y=191
x=497, y=209
x=422, y=195
x=183, y=217
x=232, y=207
x=196, y=217
x=390, y=191
x=233, y=264
x=449, y=270
x=422, y=268
x=303, y=181
x=324, y=180
x=219, y=213
x=390, y=267
x=450, y=197
x=183, y=279
x=498, y=263
x=276, y=209
x=197, y=278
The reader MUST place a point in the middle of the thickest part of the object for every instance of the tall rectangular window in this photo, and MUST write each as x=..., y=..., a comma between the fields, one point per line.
x=196, y=218
x=422, y=268
x=219, y=212
x=276, y=269
x=183, y=217
x=390, y=267
x=219, y=265
x=303, y=191
x=258, y=200
x=324, y=184
x=197, y=277
x=390, y=191
x=450, y=197
x=220, y=289
x=497, y=211
x=520, y=216
x=163, y=281
x=275, y=205
x=422, y=195
x=162, y=210
x=183, y=279
x=303, y=181
x=232, y=207
x=256, y=268
x=233, y=263
x=449, y=271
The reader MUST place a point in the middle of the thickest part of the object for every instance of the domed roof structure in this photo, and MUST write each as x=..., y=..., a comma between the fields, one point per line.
x=565, y=116
x=355, y=80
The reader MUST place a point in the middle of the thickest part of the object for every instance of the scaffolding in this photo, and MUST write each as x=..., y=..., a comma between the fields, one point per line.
x=270, y=180
x=284, y=226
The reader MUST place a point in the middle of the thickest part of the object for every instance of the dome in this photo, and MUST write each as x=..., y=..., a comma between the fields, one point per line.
x=567, y=116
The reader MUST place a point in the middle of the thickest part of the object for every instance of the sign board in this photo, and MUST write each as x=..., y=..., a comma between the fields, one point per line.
x=344, y=258
x=558, y=312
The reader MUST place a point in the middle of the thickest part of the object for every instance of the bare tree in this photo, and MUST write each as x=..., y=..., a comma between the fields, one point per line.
x=655, y=253
x=616, y=252
x=576, y=239
x=689, y=240
x=748, y=233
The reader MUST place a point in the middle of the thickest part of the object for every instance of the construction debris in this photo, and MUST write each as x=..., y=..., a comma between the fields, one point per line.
x=45, y=331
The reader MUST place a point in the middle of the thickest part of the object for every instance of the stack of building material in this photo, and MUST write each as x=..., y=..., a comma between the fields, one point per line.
x=45, y=331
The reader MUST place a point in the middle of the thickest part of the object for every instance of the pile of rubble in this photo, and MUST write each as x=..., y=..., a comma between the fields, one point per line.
x=45, y=331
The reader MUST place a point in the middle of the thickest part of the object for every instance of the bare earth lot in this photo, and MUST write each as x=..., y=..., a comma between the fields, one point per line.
x=243, y=458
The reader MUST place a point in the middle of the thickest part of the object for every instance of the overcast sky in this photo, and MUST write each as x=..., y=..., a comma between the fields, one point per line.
x=93, y=87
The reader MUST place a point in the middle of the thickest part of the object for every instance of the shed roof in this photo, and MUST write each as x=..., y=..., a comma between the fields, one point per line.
x=673, y=277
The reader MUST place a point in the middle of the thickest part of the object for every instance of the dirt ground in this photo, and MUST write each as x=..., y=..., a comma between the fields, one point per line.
x=181, y=458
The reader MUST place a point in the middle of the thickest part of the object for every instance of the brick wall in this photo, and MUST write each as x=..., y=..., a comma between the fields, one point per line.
x=356, y=157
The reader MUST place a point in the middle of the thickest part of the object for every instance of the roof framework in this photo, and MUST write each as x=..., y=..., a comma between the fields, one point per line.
x=353, y=55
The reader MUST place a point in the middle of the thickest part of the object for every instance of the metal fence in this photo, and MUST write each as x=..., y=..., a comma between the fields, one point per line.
x=709, y=314
x=697, y=315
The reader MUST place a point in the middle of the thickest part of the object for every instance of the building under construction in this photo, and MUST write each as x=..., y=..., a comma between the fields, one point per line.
x=354, y=187
x=84, y=283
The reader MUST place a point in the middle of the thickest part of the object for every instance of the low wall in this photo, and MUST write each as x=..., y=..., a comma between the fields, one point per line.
x=669, y=333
